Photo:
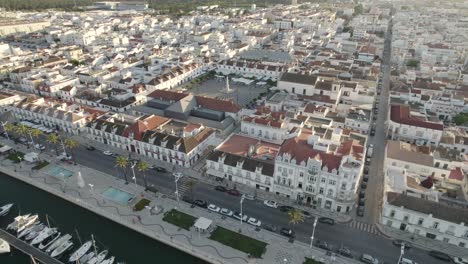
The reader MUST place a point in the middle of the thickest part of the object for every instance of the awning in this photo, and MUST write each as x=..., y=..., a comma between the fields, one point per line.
x=203, y=224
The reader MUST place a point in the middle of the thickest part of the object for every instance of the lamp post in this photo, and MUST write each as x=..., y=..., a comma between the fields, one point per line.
x=242, y=215
x=402, y=251
x=313, y=232
x=177, y=176
x=6, y=133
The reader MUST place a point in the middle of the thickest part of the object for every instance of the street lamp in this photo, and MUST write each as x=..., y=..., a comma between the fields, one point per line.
x=402, y=251
x=6, y=133
x=177, y=176
x=313, y=232
x=242, y=215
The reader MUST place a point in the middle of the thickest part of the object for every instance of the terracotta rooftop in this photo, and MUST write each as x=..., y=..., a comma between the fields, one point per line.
x=401, y=114
x=239, y=145
x=217, y=105
x=167, y=95
x=456, y=174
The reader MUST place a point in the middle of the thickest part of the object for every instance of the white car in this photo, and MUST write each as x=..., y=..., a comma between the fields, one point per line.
x=237, y=216
x=39, y=146
x=226, y=211
x=254, y=222
x=270, y=203
x=249, y=197
x=107, y=153
x=214, y=208
x=460, y=260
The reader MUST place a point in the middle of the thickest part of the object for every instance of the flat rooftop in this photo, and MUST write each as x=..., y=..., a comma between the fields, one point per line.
x=240, y=145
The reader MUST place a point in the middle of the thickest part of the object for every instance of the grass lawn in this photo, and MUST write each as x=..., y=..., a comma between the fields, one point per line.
x=238, y=241
x=41, y=164
x=311, y=261
x=141, y=204
x=15, y=156
x=179, y=219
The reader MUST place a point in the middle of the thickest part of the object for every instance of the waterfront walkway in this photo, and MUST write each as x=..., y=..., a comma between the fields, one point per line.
x=28, y=249
x=150, y=223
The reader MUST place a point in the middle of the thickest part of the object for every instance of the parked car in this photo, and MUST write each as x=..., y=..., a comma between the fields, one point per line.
x=407, y=261
x=362, y=202
x=220, y=188
x=326, y=220
x=285, y=208
x=360, y=211
x=324, y=245
x=306, y=214
x=372, y=132
x=458, y=260
x=366, y=170
x=160, y=169
x=40, y=147
x=238, y=216
x=234, y=192
x=214, y=208
x=270, y=203
x=362, y=194
x=90, y=148
x=366, y=258
x=254, y=222
x=363, y=185
x=440, y=255
x=249, y=197
x=226, y=212
x=287, y=232
x=115, y=155
x=107, y=153
x=200, y=203
x=399, y=242
x=365, y=178
x=271, y=228
x=344, y=251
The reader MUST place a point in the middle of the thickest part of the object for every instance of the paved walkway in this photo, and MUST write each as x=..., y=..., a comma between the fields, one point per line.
x=150, y=223
x=198, y=173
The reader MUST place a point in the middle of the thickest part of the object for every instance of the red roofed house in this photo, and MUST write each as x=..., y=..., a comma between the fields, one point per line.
x=406, y=127
x=320, y=170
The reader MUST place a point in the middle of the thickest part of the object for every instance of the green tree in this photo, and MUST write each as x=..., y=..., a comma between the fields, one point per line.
x=295, y=217
x=35, y=133
x=358, y=9
x=74, y=62
x=9, y=128
x=53, y=139
x=122, y=163
x=461, y=119
x=412, y=63
x=71, y=144
x=143, y=167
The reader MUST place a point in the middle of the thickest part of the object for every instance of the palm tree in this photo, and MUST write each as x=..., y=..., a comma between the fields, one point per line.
x=295, y=217
x=22, y=129
x=34, y=133
x=9, y=127
x=122, y=163
x=191, y=184
x=71, y=144
x=54, y=140
x=143, y=167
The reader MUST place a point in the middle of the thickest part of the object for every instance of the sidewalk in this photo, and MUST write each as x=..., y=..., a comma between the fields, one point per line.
x=278, y=250
x=423, y=242
x=259, y=194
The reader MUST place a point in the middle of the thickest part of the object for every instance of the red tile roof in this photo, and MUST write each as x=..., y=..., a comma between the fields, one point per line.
x=456, y=174
x=300, y=150
x=191, y=127
x=266, y=121
x=140, y=126
x=217, y=105
x=401, y=114
x=167, y=95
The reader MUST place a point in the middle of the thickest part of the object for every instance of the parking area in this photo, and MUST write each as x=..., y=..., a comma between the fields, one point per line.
x=216, y=88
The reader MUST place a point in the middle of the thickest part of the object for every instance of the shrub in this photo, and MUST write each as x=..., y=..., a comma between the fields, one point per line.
x=140, y=205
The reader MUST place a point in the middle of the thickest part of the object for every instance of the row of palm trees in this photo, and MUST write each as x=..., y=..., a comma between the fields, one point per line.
x=122, y=163
x=34, y=133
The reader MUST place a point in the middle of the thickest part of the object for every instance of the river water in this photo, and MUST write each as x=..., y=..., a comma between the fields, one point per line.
x=123, y=243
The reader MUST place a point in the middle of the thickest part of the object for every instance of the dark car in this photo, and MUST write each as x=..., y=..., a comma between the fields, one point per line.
x=362, y=202
x=91, y=148
x=362, y=194
x=269, y=227
x=285, y=208
x=360, y=211
x=344, y=251
x=399, y=242
x=366, y=170
x=324, y=245
x=200, y=203
x=287, y=232
x=234, y=192
x=374, y=118
x=160, y=169
x=220, y=188
x=187, y=199
x=363, y=185
x=440, y=255
x=372, y=132
x=365, y=178
x=326, y=220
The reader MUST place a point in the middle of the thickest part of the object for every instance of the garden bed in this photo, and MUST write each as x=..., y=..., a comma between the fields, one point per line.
x=41, y=164
x=140, y=205
x=179, y=219
x=16, y=157
x=240, y=242
x=312, y=261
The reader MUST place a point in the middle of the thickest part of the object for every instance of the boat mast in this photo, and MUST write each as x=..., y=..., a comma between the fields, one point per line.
x=33, y=261
x=47, y=219
x=94, y=244
x=79, y=239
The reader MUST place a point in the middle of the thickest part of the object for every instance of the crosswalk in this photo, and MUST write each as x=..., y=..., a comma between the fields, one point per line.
x=184, y=185
x=369, y=228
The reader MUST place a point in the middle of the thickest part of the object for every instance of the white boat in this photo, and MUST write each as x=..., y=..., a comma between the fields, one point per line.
x=48, y=241
x=35, y=232
x=108, y=261
x=86, y=257
x=5, y=209
x=4, y=246
x=47, y=232
x=80, y=252
x=33, y=228
x=99, y=258
x=59, y=242
x=22, y=222
x=61, y=249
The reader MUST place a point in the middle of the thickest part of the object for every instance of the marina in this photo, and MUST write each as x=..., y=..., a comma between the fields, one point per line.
x=62, y=215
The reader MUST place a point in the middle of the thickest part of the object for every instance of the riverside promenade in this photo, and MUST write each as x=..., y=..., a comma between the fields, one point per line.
x=150, y=223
